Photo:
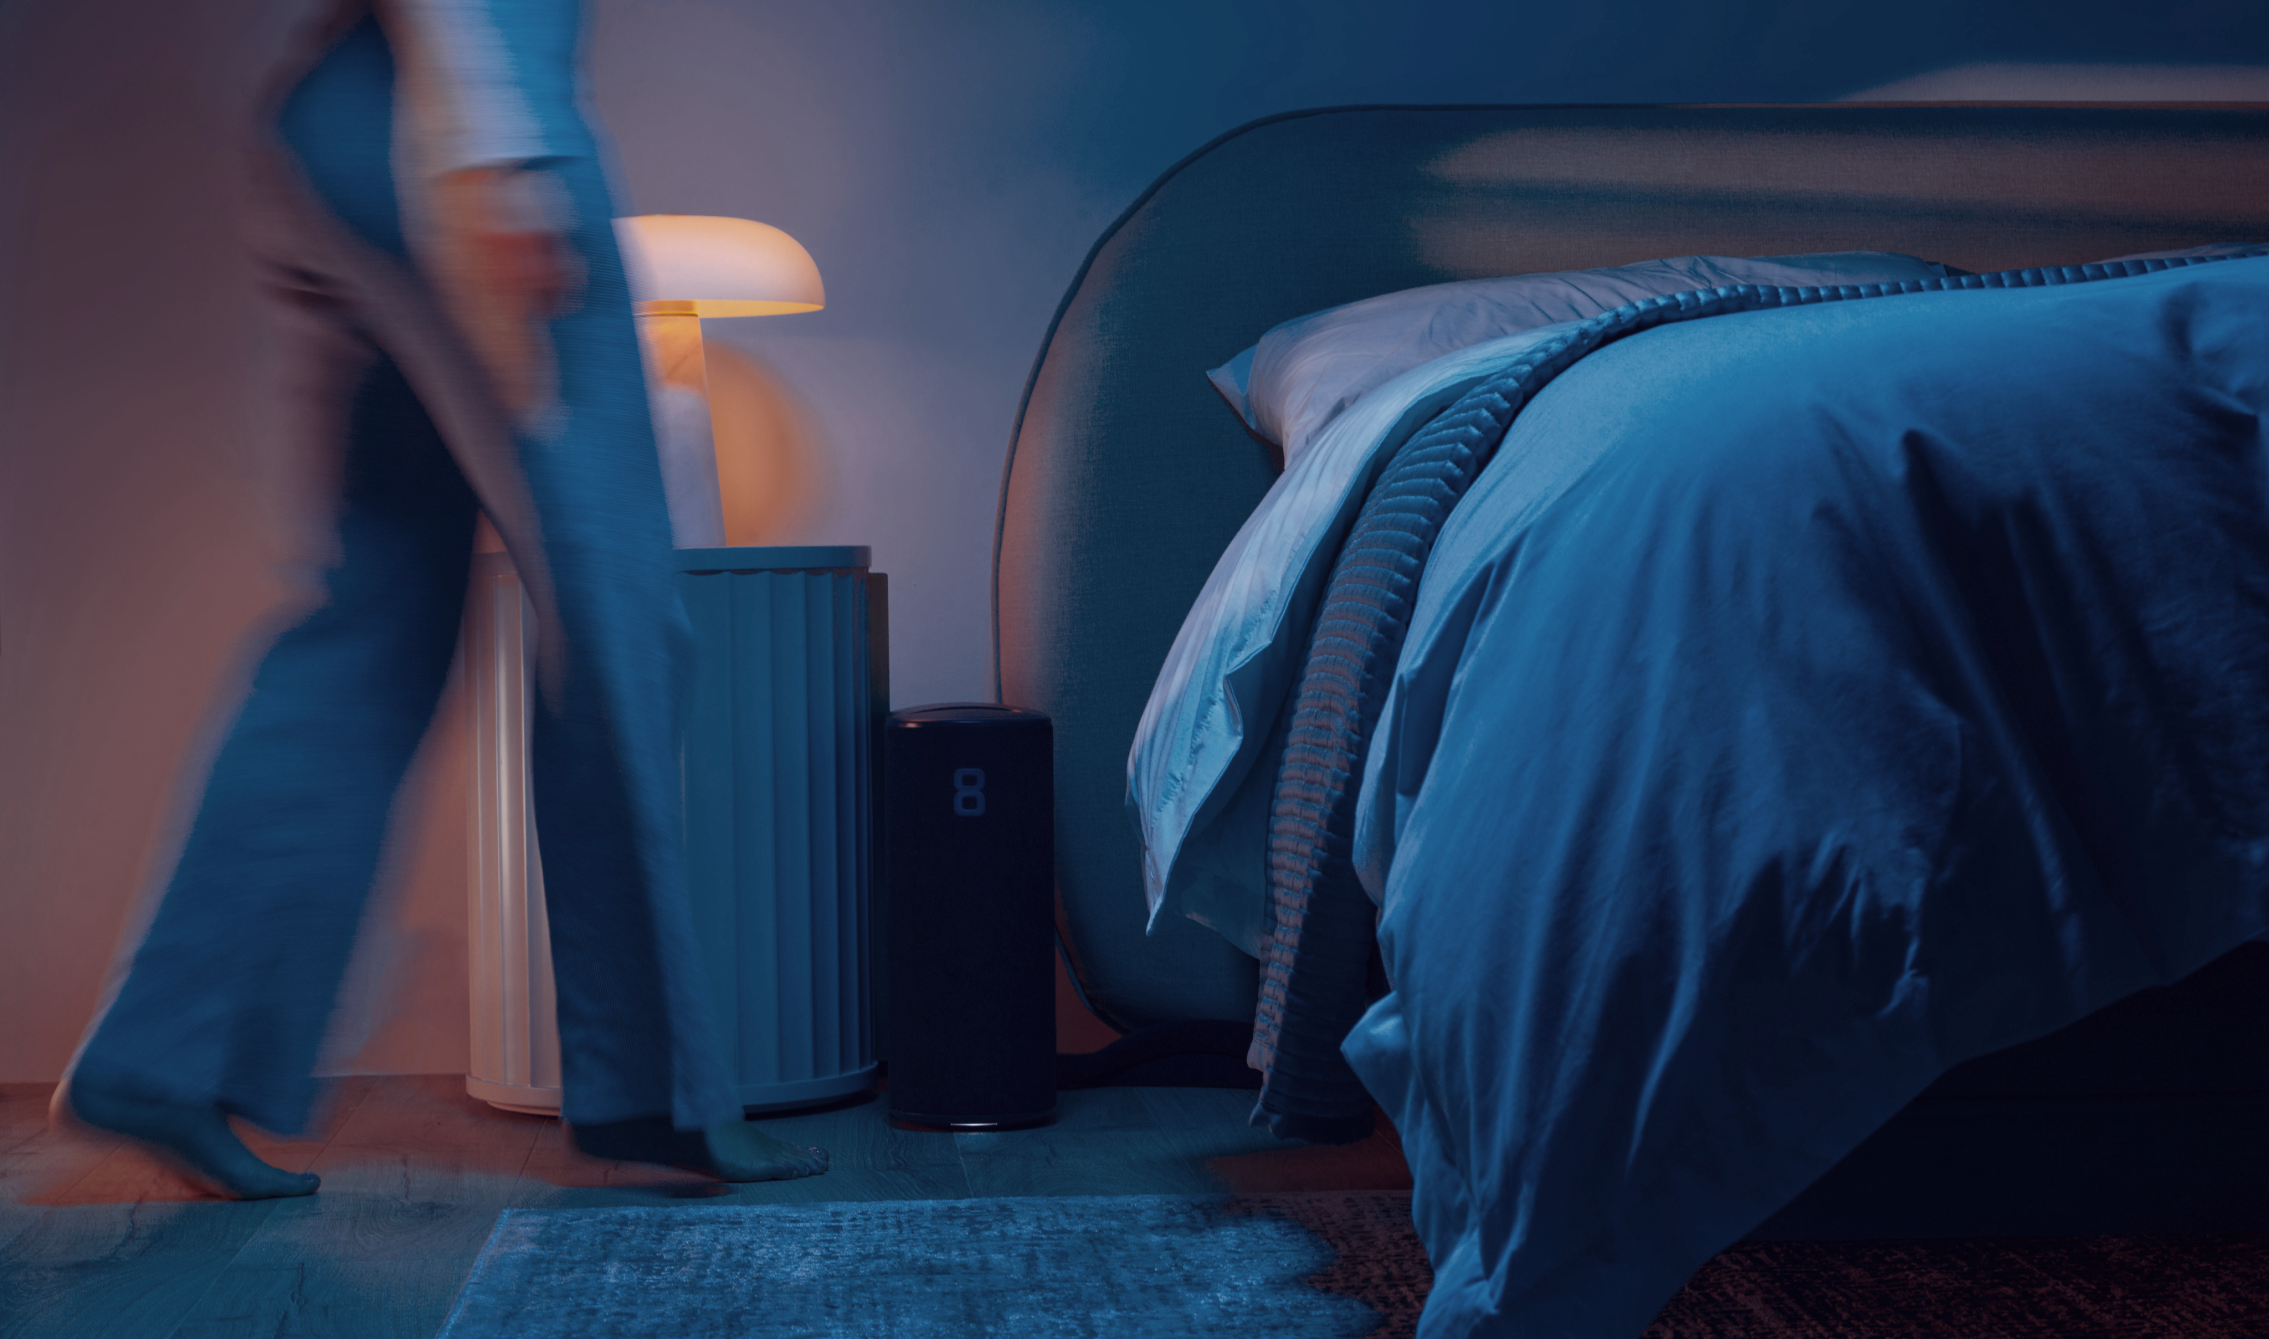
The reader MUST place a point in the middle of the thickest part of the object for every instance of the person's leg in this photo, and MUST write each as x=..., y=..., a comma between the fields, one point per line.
x=574, y=488
x=573, y=485
x=227, y=996
x=224, y=1007
x=638, y=1041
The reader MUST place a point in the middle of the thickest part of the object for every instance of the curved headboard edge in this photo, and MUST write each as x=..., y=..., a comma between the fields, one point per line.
x=1087, y=262
x=1079, y=276
x=1135, y=474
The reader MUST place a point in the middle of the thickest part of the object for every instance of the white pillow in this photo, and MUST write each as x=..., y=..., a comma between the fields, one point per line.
x=1195, y=789
x=1310, y=370
x=1197, y=792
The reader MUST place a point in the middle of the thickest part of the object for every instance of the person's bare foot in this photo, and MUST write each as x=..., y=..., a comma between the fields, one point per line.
x=740, y=1152
x=732, y=1151
x=195, y=1141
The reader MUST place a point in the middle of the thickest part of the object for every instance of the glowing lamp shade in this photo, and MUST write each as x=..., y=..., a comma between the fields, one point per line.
x=699, y=265
x=684, y=268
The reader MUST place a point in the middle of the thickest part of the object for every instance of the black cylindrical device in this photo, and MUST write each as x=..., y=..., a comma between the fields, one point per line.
x=969, y=877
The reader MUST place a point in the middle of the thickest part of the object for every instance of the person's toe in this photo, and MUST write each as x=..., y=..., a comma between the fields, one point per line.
x=740, y=1152
x=286, y=1185
x=195, y=1141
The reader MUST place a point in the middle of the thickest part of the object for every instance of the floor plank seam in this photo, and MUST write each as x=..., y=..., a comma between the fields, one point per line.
x=196, y=1304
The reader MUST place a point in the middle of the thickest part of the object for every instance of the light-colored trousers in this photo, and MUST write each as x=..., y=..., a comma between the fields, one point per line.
x=228, y=995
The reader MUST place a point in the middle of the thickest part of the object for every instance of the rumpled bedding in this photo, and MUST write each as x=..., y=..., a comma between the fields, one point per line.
x=1202, y=763
x=1801, y=702
x=1304, y=373
x=1366, y=376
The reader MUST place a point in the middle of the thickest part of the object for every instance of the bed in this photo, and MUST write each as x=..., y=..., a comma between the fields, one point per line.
x=1127, y=479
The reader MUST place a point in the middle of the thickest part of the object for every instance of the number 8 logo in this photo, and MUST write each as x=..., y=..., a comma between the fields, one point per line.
x=969, y=792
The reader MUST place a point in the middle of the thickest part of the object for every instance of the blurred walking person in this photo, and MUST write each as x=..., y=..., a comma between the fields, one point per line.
x=434, y=205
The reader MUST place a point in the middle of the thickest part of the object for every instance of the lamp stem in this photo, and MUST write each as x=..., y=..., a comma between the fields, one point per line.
x=682, y=430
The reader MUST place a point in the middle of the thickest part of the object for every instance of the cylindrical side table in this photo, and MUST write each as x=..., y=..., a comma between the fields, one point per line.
x=790, y=677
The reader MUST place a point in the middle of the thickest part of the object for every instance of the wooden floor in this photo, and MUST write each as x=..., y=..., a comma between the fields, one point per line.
x=98, y=1240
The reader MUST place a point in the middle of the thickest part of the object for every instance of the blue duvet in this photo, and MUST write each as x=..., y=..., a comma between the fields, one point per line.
x=1803, y=701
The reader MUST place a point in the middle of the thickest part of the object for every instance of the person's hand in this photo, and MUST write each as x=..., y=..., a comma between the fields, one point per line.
x=507, y=223
x=505, y=268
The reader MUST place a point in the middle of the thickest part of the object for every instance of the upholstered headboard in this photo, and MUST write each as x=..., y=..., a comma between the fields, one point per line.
x=1127, y=476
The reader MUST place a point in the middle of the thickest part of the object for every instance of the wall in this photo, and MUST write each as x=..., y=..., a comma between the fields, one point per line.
x=948, y=166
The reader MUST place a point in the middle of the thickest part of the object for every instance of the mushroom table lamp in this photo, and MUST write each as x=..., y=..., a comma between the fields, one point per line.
x=682, y=268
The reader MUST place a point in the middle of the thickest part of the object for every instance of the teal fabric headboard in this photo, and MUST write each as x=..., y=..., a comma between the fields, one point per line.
x=1127, y=476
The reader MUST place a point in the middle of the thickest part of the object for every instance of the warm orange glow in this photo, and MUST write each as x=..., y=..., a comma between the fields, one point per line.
x=732, y=307
x=770, y=456
x=673, y=345
x=706, y=266
x=684, y=268
x=726, y=307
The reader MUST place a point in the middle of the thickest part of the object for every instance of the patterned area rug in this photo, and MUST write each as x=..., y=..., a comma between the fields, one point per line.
x=1294, y=1266
x=1116, y=1267
x=2007, y=1288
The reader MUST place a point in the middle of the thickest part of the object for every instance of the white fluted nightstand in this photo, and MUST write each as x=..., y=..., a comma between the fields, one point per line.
x=791, y=677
